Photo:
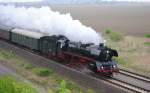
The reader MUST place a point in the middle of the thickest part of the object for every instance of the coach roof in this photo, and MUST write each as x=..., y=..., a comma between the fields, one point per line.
x=28, y=33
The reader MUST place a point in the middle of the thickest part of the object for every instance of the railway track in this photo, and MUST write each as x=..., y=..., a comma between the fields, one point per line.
x=132, y=81
x=131, y=87
x=123, y=84
x=135, y=75
x=140, y=84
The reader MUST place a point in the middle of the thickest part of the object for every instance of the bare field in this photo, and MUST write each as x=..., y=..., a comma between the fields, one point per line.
x=134, y=20
x=134, y=55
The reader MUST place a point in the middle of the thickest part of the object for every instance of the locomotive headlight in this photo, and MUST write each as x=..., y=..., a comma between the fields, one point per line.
x=114, y=66
x=107, y=52
x=101, y=67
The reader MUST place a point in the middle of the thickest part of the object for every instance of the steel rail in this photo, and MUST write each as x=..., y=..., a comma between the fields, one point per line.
x=123, y=84
x=135, y=75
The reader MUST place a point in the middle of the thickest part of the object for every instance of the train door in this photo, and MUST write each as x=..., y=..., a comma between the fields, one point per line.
x=45, y=46
x=50, y=46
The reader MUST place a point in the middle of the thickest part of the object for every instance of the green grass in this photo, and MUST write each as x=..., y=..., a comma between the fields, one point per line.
x=9, y=84
x=42, y=71
x=120, y=61
x=108, y=31
x=147, y=43
x=7, y=54
x=90, y=91
x=41, y=74
x=63, y=88
x=147, y=35
x=73, y=86
x=114, y=36
x=28, y=66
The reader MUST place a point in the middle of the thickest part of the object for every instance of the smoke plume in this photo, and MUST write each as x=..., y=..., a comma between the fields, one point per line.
x=47, y=21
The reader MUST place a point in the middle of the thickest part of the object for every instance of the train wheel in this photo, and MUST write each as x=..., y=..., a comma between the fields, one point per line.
x=110, y=74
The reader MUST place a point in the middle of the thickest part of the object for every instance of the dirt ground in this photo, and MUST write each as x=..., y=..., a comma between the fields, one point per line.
x=5, y=71
x=133, y=20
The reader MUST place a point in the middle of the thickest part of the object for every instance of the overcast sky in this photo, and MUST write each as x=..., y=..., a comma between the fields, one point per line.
x=68, y=0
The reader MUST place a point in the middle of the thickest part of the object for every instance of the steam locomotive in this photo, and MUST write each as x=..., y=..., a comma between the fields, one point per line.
x=97, y=58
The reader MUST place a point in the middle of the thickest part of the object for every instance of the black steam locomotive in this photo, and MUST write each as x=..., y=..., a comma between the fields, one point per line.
x=98, y=58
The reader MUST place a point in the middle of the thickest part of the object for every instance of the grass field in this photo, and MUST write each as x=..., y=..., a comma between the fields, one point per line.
x=9, y=84
x=134, y=53
x=147, y=35
x=41, y=77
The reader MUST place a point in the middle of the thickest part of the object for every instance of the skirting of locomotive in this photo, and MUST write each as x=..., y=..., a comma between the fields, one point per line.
x=97, y=58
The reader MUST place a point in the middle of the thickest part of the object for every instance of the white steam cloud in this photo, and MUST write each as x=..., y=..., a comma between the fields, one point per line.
x=47, y=21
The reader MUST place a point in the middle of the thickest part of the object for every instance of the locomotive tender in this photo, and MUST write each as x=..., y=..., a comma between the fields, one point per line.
x=98, y=58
